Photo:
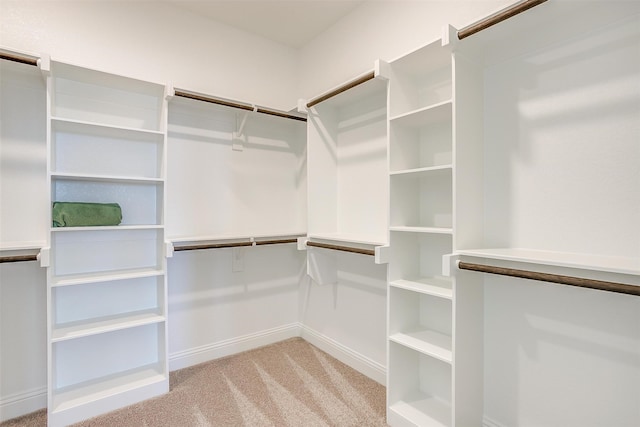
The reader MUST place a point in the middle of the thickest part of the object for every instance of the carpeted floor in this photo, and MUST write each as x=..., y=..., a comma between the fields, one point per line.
x=290, y=383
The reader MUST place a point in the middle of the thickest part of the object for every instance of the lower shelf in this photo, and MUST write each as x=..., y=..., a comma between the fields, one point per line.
x=420, y=410
x=144, y=382
x=431, y=343
x=106, y=324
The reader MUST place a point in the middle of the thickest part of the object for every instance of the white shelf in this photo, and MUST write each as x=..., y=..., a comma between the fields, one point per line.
x=79, y=279
x=106, y=228
x=611, y=264
x=105, y=178
x=90, y=391
x=423, y=410
x=423, y=170
x=354, y=94
x=431, y=343
x=437, y=286
x=105, y=324
x=345, y=239
x=123, y=131
x=432, y=230
x=424, y=116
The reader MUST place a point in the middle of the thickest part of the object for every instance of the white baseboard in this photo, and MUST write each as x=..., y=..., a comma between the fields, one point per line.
x=18, y=404
x=488, y=422
x=346, y=355
x=205, y=353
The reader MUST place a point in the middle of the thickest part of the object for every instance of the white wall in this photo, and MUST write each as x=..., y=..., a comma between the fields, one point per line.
x=157, y=42
x=383, y=30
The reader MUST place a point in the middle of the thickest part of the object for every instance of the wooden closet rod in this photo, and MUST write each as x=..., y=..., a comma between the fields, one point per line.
x=239, y=105
x=342, y=248
x=276, y=242
x=18, y=258
x=211, y=246
x=498, y=17
x=18, y=58
x=553, y=278
x=233, y=244
x=345, y=87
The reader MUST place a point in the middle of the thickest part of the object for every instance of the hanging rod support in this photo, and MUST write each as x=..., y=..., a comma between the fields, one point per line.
x=553, y=278
x=342, y=248
x=498, y=17
x=345, y=87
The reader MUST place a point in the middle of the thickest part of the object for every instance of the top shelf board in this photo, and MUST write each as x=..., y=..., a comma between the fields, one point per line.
x=611, y=264
x=561, y=20
x=425, y=60
x=104, y=79
x=354, y=94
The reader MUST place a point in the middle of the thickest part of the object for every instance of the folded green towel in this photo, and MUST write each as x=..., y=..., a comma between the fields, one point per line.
x=78, y=214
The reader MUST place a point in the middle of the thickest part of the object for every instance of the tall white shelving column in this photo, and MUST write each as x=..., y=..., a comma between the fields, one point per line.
x=421, y=301
x=106, y=285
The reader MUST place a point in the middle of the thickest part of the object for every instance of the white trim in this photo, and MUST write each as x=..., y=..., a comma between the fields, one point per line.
x=19, y=404
x=488, y=422
x=346, y=355
x=205, y=353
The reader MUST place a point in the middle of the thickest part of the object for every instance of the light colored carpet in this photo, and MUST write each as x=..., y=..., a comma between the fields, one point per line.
x=290, y=383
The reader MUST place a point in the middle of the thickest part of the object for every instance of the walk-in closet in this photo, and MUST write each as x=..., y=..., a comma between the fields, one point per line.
x=442, y=196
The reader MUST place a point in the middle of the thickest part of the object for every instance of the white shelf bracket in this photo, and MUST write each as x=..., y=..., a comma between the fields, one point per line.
x=169, y=92
x=237, y=260
x=302, y=106
x=44, y=63
x=239, y=138
x=382, y=254
x=449, y=36
x=450, y=264
x=169, y=249
x=302, y=243
x=382, y=69
x=44, y=256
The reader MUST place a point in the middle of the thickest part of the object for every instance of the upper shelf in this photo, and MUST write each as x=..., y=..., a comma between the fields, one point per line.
x=102, y=98
x=523, y=33
x=352, y=94
x=611, y=264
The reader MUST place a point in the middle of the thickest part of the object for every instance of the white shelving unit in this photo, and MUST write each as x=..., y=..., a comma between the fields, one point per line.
x=106, y=284
x=347, y=165
x=420, y=300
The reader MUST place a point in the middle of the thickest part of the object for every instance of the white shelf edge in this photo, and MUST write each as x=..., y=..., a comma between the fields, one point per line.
x=428, y=230
x=610, y=264
x=423, y=410
x=430, y=343
x=440, y=286
x=107, y=126
x=428, y=169
x=105, y=178
x=106, y=324
x=22, y=246
x=421, y=110
x=107, y=228
x=81, y=279
x=233, y=237
x=73, y=396
x=347, y=239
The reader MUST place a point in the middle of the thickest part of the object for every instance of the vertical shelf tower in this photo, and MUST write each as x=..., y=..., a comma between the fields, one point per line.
x=426, y=324
x=106, y=285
